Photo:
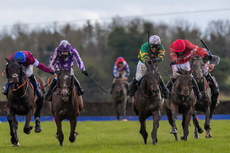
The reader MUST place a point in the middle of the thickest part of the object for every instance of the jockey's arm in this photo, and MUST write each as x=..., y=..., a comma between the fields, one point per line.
x=53, y=60
x=78, y=60
x=42, y=66
x=127, y=70
x=115, y=71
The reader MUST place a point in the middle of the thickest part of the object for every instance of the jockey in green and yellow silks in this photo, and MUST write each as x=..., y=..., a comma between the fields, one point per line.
x=154, y=51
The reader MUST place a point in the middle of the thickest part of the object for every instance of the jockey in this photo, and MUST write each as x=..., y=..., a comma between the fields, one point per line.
x=152, y=50
x=64, y=56
x=211, y=79
x=181, y=52
x=121, y=69
x=27, y=60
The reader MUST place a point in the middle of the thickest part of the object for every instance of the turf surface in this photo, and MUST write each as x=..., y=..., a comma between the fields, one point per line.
x=116, y=136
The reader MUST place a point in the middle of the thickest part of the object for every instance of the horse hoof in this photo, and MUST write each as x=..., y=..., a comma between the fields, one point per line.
x=183, y=138
x=38, y=129
x=27, y=130
x=16, y=145
x=200, y=130
x=208, y=135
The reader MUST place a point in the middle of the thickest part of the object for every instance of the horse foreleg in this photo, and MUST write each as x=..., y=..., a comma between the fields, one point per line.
x=186, y=121
x=198, y=129
x=174, y=110
x=13, y=128
x=39, y=103
x=73, y=134
x=27, y=127
x=156, y=119
x=59, y=134
x=117, y=110
x=143, y=132
x=124, y=110
x=207, y=125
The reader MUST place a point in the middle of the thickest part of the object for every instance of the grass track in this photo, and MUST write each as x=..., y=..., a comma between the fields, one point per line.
x=116, y=136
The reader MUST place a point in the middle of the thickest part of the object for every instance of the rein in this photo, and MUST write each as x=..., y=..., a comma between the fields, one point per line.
x=48, y=80
x=21, y=84
x=209, y=65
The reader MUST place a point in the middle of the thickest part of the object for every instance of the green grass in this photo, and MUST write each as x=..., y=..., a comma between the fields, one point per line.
x=116, y=136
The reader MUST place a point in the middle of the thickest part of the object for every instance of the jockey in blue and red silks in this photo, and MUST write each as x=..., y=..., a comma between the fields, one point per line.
x=27, y=60
x=121, y=70
x=63, y=58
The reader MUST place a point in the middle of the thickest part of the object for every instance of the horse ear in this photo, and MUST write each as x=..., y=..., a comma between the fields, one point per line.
x=7, y=59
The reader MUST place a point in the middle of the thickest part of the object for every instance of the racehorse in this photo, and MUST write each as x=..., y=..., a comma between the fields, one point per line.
x=66, y=104
x=147, y=101
x=119, y=94
x=204, y=103
x=21, y=100
x=182, y=100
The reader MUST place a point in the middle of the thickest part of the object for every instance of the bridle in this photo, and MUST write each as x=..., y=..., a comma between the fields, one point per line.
x=179, y=91
x=20, y=77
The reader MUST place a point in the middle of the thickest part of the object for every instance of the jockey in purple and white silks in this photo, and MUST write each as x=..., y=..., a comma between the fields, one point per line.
x=63, y=58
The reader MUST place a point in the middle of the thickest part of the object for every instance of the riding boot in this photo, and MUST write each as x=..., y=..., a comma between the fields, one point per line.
x=132, y=87
x=35, y=85
x=170, y=83
x=80, y=90
x=52, y=87
x=213, y=84
x=214, y=89
x=163, y=87
x=5, y=89
x=196, y=88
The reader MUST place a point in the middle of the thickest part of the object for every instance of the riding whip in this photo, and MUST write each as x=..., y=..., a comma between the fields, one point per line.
x=98, y=84
x=206, y=47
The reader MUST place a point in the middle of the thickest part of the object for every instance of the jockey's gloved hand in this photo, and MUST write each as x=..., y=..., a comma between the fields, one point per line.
x=155, y=60
x=173, y=63
x=85, y=73
x=57, y=72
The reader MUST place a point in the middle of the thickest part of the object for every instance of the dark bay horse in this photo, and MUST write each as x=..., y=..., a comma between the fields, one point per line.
x=182, y=100
x=147, y=101
x=204, y=104
x=66, y=104
x=119, y=94
x=21, y=100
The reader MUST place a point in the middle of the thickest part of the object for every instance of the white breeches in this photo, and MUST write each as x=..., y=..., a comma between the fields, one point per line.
x=141, y=70
x=185, y=66
x=29, y=70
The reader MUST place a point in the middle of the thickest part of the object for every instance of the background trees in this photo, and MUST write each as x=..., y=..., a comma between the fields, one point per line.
x=100, y=44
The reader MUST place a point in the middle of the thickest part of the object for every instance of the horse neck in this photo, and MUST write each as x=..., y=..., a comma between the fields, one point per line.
x=144, y=85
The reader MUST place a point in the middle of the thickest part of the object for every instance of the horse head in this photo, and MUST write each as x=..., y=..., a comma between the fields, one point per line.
x=184, y=83
x=197, y=67
x=13, y=71
x=152, y=76
x=118, y=86
x=65, y=83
